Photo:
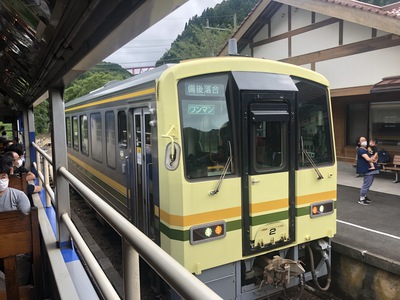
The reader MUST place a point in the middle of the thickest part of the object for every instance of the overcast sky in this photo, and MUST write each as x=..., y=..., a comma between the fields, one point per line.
x=148, y=47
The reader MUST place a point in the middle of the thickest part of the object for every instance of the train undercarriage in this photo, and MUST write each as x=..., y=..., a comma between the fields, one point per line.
x=280, y=274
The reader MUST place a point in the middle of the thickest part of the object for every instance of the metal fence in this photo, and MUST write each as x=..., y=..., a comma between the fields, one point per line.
x=135, y=244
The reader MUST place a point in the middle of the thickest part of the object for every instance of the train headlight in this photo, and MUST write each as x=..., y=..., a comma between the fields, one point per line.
x=321, y=209
x=207, y=232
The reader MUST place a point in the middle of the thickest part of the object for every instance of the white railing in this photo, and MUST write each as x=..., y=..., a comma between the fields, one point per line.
x=135, y=244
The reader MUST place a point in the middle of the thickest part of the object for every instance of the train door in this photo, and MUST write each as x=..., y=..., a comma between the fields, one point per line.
x=268, y=171
x=142, y=208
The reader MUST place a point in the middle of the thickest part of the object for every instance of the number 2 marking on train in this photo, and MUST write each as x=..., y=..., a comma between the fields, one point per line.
x=272, y=231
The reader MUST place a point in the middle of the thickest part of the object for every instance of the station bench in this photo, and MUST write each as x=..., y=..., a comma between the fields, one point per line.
x=18, y=182
x=20, y=234
x=394, y=166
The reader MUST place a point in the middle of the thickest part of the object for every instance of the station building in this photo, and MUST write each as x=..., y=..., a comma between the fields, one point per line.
x=356, y=46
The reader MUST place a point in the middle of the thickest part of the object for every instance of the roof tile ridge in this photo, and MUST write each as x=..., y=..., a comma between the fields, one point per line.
x=391, y=10
x=393, y=6
x=364, y=5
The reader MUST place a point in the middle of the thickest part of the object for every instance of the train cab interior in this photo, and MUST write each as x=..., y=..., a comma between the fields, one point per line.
x=206, y=153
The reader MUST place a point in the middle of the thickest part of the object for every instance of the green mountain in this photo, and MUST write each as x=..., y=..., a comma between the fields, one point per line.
x=205, y=35
x=91, y=80
x=95, y=78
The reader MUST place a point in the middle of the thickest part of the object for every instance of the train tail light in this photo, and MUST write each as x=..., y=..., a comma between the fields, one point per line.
x=207, y=232
x=321, y=209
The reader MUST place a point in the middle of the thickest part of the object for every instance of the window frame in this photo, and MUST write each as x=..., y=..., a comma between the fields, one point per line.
x=122, y=134
x=110, y=151
x=68, y=131
x=75, y=132
x=96, y=149
x=82, y=131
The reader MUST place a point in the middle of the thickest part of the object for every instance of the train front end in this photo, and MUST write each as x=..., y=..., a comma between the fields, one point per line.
x=247, y=174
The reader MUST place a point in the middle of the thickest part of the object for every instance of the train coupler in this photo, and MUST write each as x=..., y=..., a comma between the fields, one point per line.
x=279, y=271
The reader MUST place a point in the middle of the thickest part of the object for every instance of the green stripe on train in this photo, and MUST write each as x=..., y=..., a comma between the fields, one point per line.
x=305, y=211
x=268, y=218
x=183, y=235
x=279, y=216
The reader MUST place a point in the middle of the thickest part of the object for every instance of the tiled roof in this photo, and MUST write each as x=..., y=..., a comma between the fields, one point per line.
x=395, y=12
x=392, y=10
x=388, y=84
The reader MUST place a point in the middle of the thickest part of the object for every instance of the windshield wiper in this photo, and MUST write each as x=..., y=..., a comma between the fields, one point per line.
x=224, y=171
x=313, y=164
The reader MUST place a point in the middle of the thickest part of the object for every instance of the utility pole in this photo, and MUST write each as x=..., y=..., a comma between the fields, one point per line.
x=217, y=28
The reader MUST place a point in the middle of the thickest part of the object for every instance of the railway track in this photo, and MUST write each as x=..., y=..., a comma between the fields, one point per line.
x=105, y=244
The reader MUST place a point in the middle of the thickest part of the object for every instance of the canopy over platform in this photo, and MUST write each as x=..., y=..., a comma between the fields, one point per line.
x=46, y=44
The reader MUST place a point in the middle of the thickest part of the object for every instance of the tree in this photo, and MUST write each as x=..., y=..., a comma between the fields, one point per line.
x=205, y=35
x=42, y=119
x=90, y=82
x=203, y=42
x=95, y=78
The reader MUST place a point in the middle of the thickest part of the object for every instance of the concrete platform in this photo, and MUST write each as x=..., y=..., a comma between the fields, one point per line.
x=365, y=250
x=369, y=233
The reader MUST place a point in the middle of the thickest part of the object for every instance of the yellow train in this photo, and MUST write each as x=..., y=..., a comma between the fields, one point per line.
x=227, y=163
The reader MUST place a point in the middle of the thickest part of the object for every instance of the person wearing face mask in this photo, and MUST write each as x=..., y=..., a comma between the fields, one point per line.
x=19, y=169
x=11, y=199
x=363, y=168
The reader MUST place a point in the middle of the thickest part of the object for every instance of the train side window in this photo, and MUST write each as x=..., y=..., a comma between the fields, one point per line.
x=122, y=134
x=75, y=136
x=84, y=134
x=110, y=139
x=315, y=143
x=68, y=130
x=96, y=141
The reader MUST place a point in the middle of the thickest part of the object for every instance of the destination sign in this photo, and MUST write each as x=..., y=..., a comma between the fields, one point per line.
x=204, y=89
x=199, y=109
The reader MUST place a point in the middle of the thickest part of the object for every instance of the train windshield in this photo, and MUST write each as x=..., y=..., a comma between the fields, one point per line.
x=206, y=128
x=314, y=127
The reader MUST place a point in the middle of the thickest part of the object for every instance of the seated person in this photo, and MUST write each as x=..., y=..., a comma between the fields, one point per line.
x=224, y=144
x=13, y=199
x=18, y=169
x=16, y=147
x=8, y=144
x=3, y=137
